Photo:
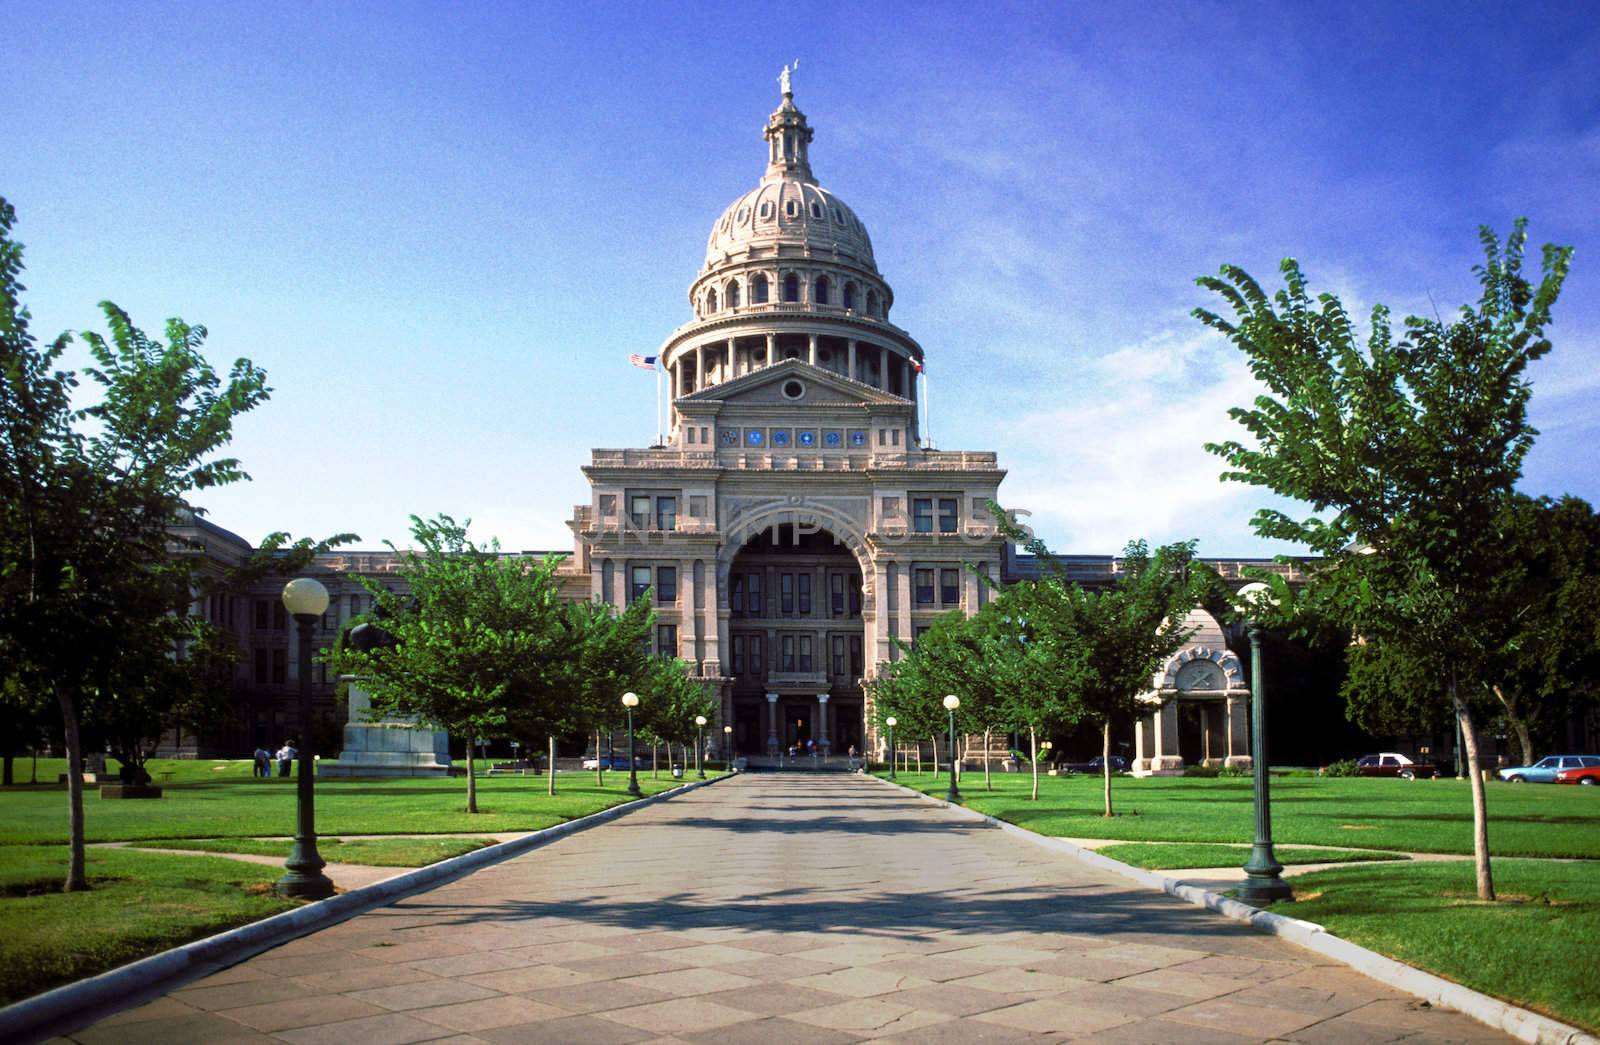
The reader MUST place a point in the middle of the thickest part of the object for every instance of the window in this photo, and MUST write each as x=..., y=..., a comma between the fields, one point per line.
x=738, y=654
x=608, y=505
x=849, y=295
x=355, y=605
x=816, y=210
x=733, y=295
x=803, y=583
x=667, y=640
x=924, y=586
x=263, y=608
x=697, y=505
x=753, y=583
x=822, y=290
x=758, y=648
x=872, y=302
x=855, y=596
x=666, y=584
x=758, y=291
x=667, y=513
x=639, y=582
x=791, y=287
x=855, y=656
x=838, y=655
x=805, y=652
x=786, y=593
x=639, y=510
x=947, y=514
x=280, y=665
x=280, y=616
x=261, y=667
x=922, y=514
x=711, y=301
x=836, y=594
x=788, y=653
x=949, y=587
x=736, y=595
x=916, y=638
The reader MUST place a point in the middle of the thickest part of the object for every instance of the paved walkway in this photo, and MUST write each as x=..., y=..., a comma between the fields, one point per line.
x=787, y=908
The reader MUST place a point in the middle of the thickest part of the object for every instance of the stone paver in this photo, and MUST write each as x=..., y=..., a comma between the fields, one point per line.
x=774, y=908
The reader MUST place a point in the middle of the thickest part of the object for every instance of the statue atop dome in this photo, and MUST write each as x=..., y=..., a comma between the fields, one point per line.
x=784, y=81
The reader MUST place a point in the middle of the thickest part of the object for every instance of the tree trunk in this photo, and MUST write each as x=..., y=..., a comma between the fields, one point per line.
x=987, y=785
x=1033, y=760
x=1480, y=809
x=935, y=739
x=599, y=762
x=1105, y=762
x=1519, y=726
x=655, y=759
x=77, y=881
x=550, y=769
x=472, y=778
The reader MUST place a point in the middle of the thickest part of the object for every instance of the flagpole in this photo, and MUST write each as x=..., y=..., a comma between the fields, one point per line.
x=660, y=434
x=927, y=436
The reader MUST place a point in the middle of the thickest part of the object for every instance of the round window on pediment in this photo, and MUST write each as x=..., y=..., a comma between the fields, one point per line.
x=794, y=390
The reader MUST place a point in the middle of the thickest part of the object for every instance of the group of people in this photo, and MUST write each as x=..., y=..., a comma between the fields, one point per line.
x=284, y=756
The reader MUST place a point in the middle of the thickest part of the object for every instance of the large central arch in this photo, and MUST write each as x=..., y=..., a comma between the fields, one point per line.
x=794, y=583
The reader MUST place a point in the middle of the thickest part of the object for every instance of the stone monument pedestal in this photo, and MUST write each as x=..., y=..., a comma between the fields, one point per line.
x=389, y=747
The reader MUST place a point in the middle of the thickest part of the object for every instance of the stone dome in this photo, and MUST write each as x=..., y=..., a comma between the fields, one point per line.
x=792, y=212
x=788, y=209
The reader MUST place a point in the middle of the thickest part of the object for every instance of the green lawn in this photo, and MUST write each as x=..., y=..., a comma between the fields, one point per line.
x=1429, y=816
x=203, y=801
x=140, y=904
x=1534, y=948
x=375, y=852
x=1167, y=855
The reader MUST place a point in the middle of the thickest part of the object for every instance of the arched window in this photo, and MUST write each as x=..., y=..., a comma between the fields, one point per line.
x=849, y=295
x=822, y=290
x=872, y=302
x=711, y=301
x=758, y=290
x=791, y=287
x=733, y=294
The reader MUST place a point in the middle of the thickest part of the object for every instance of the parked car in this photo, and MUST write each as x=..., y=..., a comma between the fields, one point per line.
x=1544, y=771
x=1097, y=765
x=1587, y=775
x=605, y=762
x=1390, y=763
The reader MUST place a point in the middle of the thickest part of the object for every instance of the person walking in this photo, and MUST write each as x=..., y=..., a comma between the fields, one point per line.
x=263, y=766
x=286, y=756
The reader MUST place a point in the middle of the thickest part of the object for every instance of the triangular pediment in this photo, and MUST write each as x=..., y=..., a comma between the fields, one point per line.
x=818, y=387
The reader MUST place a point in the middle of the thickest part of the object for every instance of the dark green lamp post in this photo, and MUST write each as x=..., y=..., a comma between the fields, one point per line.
x=950, y=704
x=631, y=701
x=891, y=722
x=306, y=599
x=1263, y=882
x=700, y=746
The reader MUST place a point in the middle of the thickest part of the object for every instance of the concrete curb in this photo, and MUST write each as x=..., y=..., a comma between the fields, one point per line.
x=1518, y=1022
x=76, y=1005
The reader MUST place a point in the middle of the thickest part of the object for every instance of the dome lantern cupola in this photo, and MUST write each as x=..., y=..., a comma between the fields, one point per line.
x=788, y=137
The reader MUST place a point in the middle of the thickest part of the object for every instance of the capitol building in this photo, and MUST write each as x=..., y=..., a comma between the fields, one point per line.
x=792, y=524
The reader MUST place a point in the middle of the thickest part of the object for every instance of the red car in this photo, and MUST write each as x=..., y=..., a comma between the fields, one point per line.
x=1588, y=776
x=1392, y=764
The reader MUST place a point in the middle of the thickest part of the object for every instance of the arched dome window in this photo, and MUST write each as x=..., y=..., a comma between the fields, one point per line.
x=732, y=294
x=816, y=210
x=872, y=302
x=849, y=295
x=711, y=301
x=791, y=287
x=758, y=290
x=822, y=290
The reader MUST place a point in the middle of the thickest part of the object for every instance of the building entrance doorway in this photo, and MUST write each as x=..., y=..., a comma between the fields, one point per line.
x=1191, y=734
x=796, y=727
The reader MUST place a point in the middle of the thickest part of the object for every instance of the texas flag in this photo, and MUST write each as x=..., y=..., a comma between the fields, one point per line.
x=643, y=362
x=916, y=364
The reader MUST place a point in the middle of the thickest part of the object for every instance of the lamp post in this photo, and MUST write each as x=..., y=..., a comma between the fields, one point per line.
x=699, y=746
x=891, y=722
x=631, y=701
x=1263, y=882
x=727, y=748
x=306, y=599
x=950, y=704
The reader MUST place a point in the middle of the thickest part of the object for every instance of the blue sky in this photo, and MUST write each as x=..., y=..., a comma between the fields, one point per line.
x=443, y=228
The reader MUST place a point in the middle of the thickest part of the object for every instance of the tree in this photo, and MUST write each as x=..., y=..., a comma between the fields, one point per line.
x=1406, y=453
x=609, y=659
x=85, y=559
x=670, y=700
x=477, y=636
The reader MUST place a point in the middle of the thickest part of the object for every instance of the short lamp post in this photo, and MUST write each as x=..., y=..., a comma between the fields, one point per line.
x=631, y=701
x=700, y=746
x=950, y=704
x=894, y=759
x=1263, y=882
x=306, y=599
x=727, y=748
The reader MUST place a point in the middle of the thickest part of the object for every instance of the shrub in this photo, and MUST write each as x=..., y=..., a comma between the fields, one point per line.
x=1343, y=767
x=1204, y=772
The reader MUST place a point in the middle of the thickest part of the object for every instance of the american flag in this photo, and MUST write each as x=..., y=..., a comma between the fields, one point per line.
x=643, y=362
